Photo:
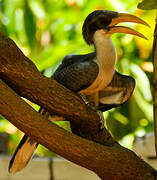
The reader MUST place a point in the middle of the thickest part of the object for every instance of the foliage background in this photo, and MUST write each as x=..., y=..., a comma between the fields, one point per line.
x=47, y=30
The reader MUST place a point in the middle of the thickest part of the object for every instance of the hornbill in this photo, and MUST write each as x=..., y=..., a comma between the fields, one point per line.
x=92, y=76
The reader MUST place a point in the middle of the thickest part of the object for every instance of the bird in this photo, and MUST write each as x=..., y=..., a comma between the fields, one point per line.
x=92, y=76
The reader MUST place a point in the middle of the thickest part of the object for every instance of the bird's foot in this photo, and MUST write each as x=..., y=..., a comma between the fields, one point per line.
x=88, y=102
x=91, y=104
x=84, y=98
x=102, y=121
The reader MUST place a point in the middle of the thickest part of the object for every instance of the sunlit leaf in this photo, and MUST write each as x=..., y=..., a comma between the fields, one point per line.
x=147, y=66
x=143, y=122
x=142, y=81
x=3, y=124
x=9, y=8
x=148, y=5
x=37, y=8
x=121, y=118
x=144, y=105
x=145, y=46
x=63, y=124
x=127, y=141
x=42, y=151
x=140, y=132
x=11, y=129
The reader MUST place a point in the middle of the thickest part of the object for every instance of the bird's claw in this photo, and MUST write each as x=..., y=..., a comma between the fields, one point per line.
x=102, y=121
x=91, y=104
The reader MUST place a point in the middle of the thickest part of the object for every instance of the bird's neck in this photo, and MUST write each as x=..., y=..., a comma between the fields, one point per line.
x=105, y=50
x=105, y=58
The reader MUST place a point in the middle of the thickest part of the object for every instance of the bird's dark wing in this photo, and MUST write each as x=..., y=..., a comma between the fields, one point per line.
x=77, y=72
x=117, y=92
x=72, y=59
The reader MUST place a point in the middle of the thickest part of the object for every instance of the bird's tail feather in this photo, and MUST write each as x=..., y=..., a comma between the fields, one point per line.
x=23, y=154
x=24, y=151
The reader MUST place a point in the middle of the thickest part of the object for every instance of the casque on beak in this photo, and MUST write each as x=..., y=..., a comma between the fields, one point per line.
x=123, y=17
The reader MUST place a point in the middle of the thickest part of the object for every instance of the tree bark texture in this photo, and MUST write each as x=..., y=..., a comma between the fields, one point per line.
x=22, y=75
x=87, y=146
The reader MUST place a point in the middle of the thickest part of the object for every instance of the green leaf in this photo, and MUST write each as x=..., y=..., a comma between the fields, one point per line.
x=30, y=26
x=148, y=5
x=146, y=108
x=141, y=77
x=63, y=124
x=37, y=8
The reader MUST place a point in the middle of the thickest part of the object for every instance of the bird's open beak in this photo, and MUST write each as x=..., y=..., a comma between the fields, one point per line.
x=123, y=17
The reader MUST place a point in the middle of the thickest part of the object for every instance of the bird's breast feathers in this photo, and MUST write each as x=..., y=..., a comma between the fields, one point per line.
x=105, y=59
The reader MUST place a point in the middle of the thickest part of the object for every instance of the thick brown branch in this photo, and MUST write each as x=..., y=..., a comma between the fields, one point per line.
x=110, y=163
x=22, y=75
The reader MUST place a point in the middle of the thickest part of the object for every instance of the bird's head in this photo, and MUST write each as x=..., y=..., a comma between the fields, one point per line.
x=107, y=21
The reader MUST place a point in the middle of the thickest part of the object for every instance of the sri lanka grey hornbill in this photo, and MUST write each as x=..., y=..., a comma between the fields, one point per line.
x=92, y=75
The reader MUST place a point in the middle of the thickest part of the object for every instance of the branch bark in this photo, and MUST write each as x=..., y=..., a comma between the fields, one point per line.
x=22, y=75
x=125, y=164
x=97, y=151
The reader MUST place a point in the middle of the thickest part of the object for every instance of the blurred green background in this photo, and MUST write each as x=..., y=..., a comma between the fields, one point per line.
x=47, y=30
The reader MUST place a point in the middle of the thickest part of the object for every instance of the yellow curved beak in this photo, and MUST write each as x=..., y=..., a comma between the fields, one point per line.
x=122, y=29
x=123, y=17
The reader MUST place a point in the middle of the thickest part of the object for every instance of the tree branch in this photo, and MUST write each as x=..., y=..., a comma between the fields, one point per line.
x=107, y=162
x=106, y=158
x=22, y=75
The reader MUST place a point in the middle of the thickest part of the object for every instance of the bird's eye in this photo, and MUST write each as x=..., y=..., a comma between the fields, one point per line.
x=93, y=27
x=104, y=21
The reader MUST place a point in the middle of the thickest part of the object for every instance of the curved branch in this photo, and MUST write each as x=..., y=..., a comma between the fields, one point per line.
x=108, y=162
x=22, y=75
